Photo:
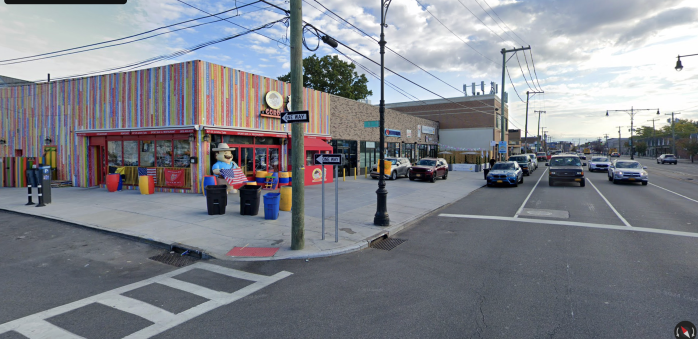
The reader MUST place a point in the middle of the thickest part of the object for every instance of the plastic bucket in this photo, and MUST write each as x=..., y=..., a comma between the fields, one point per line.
x=146, y=184
x=284, y=178
x=208, y=180
x=261, y=177
x=271, y=206
x=285, y=201
x=113, y=182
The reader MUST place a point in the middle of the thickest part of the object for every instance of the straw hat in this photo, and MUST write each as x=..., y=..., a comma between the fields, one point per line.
x=222, y=147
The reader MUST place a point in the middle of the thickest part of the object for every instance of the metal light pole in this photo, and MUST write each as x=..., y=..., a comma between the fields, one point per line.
x=539, y=128
x=504, y=70
x=632, y=111
x=673, y=135
x=381, y=218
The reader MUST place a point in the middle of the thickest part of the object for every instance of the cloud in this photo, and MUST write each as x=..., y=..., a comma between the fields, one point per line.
x=661, y=21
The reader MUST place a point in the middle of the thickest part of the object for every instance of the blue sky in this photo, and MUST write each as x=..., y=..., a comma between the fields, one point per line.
x=590, y=56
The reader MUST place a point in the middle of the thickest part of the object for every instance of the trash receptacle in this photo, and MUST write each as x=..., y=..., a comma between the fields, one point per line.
x=45, y=182
x=486, y=170
x=249, y=199
x=216, y=199
x=271, y=206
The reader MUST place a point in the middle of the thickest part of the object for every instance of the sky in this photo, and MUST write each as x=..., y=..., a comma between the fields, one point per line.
x=589, y=56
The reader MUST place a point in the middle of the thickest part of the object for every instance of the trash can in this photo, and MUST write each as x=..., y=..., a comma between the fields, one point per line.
x=208, y=180
x=216, y=199
x=486, y=170
x=286, y=198
x=249, y=199
x=45, y=182
x=271, y=206
x=113, y=182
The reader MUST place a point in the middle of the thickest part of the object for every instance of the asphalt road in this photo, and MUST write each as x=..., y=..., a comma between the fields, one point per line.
x=479, y=268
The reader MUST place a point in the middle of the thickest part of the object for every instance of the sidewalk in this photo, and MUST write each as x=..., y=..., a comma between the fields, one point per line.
x=182, y=220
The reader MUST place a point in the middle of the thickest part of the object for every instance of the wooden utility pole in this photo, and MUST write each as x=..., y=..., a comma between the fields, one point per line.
x=526, y=129
x=297, y=129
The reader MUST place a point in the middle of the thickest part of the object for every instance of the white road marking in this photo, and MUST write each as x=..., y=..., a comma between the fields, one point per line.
x=529, y=195
x=609, y=204
x=35, y=326
x=572, y=223
x=683, y=196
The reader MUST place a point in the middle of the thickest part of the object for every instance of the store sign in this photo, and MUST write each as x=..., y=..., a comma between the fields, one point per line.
x=163, y=131
x=270, y=113
x=371, y=124
x=274, y=100
x=132, y=132
x=243, y=133
x=409, y=133
x=99, y=134
x=393, y=133
x=370, y=144
x=428, y=130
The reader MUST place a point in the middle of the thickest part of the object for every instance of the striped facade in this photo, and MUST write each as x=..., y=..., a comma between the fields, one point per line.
x=183, y=94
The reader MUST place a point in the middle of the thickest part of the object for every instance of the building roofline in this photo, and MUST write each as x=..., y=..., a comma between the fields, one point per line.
x=445, y=101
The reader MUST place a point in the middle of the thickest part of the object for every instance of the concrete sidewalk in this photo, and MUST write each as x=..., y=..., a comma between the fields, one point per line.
x=182, y=220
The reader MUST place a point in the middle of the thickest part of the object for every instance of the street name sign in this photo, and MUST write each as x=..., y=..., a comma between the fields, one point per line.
x=328, y=159
x=295, y=116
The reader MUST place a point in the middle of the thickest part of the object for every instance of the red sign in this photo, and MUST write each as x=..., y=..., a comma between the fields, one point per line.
x=253, y=134
x=98, y=134
x=163, y=131
x=174, y=178
x=271, y=113
x=313, y=174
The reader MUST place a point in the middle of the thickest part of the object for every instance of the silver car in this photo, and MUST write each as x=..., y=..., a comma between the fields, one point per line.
x=627, y=171
x=534, y=160
x=399, y=168
x=599, y=164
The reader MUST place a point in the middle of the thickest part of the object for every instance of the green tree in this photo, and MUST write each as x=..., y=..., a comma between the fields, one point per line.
x=331, y=75
x=690, y=145
x=640, y=147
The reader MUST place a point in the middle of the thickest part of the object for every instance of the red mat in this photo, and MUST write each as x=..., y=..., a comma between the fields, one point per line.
x=252, y=251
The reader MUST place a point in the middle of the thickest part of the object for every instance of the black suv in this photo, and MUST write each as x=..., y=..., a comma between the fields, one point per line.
x=667, y=159
x=566, y=168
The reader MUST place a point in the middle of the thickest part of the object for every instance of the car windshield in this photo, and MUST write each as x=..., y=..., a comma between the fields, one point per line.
x=425, y=162
x=600, y=159
x=627, y=164
x=566, y=161
x=503, y=166
x=518, y=158
x=669, y=156
x=393, y=161
x=541, y=154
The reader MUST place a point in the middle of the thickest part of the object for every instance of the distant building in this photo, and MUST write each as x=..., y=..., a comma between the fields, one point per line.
x=515, y=141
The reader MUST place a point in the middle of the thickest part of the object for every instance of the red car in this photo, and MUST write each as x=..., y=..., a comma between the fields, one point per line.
x=429, y=169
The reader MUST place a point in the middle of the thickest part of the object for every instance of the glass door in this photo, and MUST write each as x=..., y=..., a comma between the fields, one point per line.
x=247, y=161
x=260, y=159
x=274, y=159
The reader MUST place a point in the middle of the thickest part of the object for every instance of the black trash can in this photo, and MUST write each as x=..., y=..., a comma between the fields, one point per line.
x=486, y=170
x=216, y=199
x=250, y=195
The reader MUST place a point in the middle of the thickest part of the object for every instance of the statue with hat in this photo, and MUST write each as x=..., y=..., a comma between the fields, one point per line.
x=224, y=155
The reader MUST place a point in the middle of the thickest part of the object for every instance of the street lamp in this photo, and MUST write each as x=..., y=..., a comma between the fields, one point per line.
x=632, y=111
x=679, y=66
x=381, y=218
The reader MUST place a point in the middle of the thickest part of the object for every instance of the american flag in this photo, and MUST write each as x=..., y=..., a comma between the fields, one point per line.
x=149, y=171
x=234, y=177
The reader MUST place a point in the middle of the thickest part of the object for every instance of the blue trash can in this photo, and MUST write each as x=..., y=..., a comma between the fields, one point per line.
x=271, y=206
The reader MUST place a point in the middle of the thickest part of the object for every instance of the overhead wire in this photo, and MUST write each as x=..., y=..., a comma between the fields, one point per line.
x=534, y=67
x=522, y=72
x=505, y=24
x=529, y=73
x=476, y=17
x=495, y=21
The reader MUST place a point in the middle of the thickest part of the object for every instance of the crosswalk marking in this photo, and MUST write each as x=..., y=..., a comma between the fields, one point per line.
x=35, y=326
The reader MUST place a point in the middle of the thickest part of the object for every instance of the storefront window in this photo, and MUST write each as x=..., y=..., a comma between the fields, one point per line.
x=164, y=153
x=393, y=149
x=115, y=153
x=238, y=140
x=260, y=156
x=309, y=159
x=182, y=152
x=147, y=153
x=247, y=161
x=368, y=155
x=274, y=159
x=131, y=153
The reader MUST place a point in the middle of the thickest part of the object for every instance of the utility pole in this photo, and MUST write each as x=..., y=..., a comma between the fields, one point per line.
x=527, y=98
x=297, y=129
x=620, y=146
x=504, y=71
x=673, y=135
x=544, y=144
x=539, y=128
x=606, y=144
x=654, y=149
x=632, y=111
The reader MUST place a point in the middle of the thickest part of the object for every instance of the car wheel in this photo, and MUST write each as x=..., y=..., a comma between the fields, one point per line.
x=445, y=176
x=550, y=182
x=393, y=176
x=610, y=178
x=644, y=183
x=411, y=178
x=521, y=182
x=615, y=181
x=432, y=179
x=516, y=183
x=662, y=162
x=583, y=183
x=489, y=185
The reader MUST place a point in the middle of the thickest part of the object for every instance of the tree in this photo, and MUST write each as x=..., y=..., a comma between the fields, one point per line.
x=690, y=145
x=331, y=75
x=640, y=147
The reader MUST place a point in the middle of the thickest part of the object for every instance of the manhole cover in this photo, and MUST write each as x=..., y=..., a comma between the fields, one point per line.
x=387, y=244
x=174, y=259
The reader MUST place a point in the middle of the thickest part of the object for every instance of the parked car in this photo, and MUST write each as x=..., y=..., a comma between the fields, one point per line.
x=582, y=156
x=534, y=160
x=615, y=155
x=599, y=164
x=524, y=162
x=508, y=173
x=628, y=171
x=400, y=167
x=667, y=159
x=566, y=168
x=429, y=169
x=541, y=157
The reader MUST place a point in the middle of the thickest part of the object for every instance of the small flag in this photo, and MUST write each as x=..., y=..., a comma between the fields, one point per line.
x=235, y=177
x=149, y=171
x=174, y=178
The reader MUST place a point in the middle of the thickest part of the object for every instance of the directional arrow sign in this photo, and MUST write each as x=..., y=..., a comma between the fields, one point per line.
x=295, y=116
x=328, y=159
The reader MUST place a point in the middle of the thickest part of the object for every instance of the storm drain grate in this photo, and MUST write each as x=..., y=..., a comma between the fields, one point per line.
x=174, y=259
x=386, y=244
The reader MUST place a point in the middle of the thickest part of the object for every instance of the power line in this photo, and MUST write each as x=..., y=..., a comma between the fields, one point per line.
x=505, y=24
x=512, y=85
x=476, y=17
x=522, y=73
x=495, y=21
x=534, y=67
x=529, y=73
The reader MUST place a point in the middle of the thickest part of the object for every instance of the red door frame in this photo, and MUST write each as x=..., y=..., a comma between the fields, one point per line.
x=238, y=150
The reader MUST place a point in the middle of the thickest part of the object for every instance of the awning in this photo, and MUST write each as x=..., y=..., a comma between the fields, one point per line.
x=316, y=144
x=131, y=131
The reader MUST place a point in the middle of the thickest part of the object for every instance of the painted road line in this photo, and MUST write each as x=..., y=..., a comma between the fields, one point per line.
x=36, y=326
x=529, y=195
x=572, y=223
x=683, y=196
x=609, y=204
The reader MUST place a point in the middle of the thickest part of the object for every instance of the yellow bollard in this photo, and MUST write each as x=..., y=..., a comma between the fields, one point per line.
x=355, y=173
x=366, y=173
x=344, y=174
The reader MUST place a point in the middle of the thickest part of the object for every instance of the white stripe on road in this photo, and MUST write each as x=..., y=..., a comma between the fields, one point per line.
x=683, y=196
x=529, y=195
x=609, y=204
x=572, y=223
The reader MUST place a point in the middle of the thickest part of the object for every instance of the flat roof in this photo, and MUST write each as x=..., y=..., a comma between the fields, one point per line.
x=444, y=101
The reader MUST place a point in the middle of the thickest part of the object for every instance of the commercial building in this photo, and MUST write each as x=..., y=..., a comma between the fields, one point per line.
x=163, y=120
x=467, y=123
x=514, y=141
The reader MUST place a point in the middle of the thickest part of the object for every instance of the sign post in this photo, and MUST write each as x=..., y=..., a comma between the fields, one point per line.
x=334, y=160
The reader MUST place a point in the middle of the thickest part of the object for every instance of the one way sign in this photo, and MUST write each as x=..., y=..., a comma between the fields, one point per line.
x=295, y=116
x=328, y=159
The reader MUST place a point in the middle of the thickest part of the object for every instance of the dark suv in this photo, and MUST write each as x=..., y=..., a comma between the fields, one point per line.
x=429, y=169
x=667, y=159
x=566, y=168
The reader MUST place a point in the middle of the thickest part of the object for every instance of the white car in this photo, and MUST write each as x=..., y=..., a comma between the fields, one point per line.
x=627, y=171
x=599, y=164
x=534, y=160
